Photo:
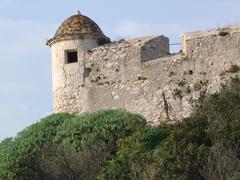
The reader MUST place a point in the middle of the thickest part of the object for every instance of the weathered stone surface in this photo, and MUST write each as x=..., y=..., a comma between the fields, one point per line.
x=141, y=76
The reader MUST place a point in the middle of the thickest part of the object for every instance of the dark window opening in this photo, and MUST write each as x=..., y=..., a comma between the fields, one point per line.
x=72, y=57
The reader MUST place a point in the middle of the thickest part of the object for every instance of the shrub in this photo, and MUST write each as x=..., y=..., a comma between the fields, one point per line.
x=103, y=41
x=222, y=113
x=134, y=159
x=141, y=78
x=234, y=69
x=203, y=146
x=181, y=153
x=64, y=146
x=21, y=161
x=114, y=144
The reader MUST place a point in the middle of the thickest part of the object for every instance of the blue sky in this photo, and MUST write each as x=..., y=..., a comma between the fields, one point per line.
x=25, y=88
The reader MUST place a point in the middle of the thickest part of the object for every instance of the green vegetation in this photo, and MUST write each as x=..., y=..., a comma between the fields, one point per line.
x=178, y=93
x=234, y=68
x=223, y=33
x=190, y=72
x=141, y=78
x=182, y=83
x=201, y=85
x=97, y=79
x=188, y=90
x=64, y=146
x=171, y=73
x=114, y=144
x=197, y=86
x=103, y=41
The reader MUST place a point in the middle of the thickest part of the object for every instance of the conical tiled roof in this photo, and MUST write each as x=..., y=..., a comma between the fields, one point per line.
x=77, y=27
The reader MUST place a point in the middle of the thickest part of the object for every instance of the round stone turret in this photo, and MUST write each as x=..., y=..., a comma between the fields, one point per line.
x=72, y=40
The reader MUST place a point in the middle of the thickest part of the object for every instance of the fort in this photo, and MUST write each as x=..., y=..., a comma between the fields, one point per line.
x=90, y=72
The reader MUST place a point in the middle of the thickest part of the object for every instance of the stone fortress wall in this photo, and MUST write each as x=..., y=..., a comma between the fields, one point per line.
x=141, y=75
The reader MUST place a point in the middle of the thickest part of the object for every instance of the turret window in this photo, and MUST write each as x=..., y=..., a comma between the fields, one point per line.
x=71, y=56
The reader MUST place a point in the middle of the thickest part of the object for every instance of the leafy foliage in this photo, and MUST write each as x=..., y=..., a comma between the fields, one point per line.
x=21, y=161
x=114, y=144
x=64, y=146
x=203, y=146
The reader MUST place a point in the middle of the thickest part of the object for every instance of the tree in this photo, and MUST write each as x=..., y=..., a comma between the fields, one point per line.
x=64, y=146
x=115, y=144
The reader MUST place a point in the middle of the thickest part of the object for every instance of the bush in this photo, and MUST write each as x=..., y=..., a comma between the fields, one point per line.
x=222, y=113
x=21, y=161
x=203, y=146
x=164, y=152
x=103, y=41
x=134, y=159
x=64, y=146
x=114, y=144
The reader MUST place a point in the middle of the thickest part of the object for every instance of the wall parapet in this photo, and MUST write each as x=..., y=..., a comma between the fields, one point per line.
x=191, y=40
x=151, y=47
